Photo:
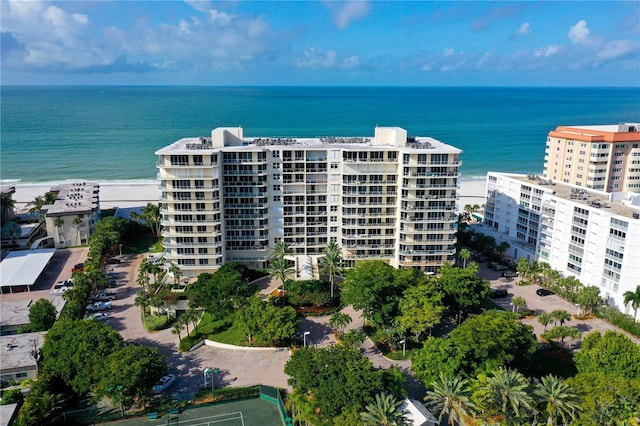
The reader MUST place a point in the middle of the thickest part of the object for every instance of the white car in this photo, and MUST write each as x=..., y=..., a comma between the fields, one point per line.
x=164, y=383
x=99, y=316
x=99, y=306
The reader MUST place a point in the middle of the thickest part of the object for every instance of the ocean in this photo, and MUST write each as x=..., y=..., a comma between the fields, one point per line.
x=53, y=134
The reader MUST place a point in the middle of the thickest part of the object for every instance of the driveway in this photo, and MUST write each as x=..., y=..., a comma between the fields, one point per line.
x=544, y=304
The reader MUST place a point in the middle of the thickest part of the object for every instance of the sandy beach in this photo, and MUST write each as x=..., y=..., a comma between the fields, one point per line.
x=114, y=194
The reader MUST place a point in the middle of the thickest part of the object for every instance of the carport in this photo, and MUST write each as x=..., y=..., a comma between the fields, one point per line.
x=22, y=268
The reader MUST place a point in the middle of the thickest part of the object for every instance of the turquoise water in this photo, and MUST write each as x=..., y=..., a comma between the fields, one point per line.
x=111, y=133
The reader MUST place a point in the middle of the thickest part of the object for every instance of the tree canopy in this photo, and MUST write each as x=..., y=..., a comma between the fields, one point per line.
x=266, y=324
x=337, y=378
x=42, y=315
x=611, y=353
x=75, y=351
x=482, y=343
x=376, y=288
x=463, y=288
x=421, y=308
x=223, y=291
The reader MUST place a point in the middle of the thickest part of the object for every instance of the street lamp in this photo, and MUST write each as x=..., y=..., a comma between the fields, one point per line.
x=208, y=372
x=304, y=337
x=120, y=247
x=403, y=347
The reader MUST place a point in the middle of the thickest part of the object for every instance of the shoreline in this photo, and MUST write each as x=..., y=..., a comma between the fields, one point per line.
x=135, y=193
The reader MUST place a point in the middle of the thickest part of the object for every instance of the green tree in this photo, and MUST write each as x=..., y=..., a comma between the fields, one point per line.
x=589, y=298
x=560, y=316
x=463, y=288
x=481, y=343
x=42, y=315
x=336, y=377
x=523, y=267
x=518, y=302
x=12, y=231
x=509, y=392
x=280, y=268
x=222, y=292
x=280, y=250
x=265, y=324
x=135, y=368
x=421, y=308
x=558, y=398
x=611, y=353
x=384, y=411
x=562, y=332
x=142, y=300
x=151, y=217
x=354, y=338
x=76, y=222
x=339, y=321
x=464, y=254
x=633, y=297
x=175, y=271
x=376, y=288
x=331, y=262
x=502, y=248
x=451, y=397
x=75, y=352
x=545, y=319
x=7, y=207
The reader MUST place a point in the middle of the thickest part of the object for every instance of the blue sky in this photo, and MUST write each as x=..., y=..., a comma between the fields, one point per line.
x=424, y=43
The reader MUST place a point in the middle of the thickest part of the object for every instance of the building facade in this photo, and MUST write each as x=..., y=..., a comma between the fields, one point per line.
x=230, y=198
x=605, y=158
x=72, y=218
x=591, y=235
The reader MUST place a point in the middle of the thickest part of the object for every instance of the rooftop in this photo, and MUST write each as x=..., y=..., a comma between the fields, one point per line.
x=623, y=132
x=579, y=195
x=321, y=142
x=72, y=198
x=23, y=267
x=16, y=350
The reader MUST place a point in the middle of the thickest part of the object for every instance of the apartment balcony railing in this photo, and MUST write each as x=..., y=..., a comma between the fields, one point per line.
x=411, y=252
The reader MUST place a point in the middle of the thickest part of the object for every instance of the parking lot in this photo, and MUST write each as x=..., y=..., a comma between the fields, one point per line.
x=541, y=304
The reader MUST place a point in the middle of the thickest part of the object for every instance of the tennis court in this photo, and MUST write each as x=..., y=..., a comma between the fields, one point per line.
x=248, y=412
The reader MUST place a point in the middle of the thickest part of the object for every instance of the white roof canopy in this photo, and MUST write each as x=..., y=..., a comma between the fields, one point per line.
x=23, y=267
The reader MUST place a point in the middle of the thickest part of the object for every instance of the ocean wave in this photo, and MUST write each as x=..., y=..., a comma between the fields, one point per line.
x=117, y=182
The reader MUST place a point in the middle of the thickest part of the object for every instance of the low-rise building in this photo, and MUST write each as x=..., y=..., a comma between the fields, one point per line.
x=18, y=356
x=591, y=235
x=72, y=218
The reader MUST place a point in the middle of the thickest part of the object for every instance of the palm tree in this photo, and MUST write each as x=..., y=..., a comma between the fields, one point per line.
x=545, y=319
x=330, y=263
x=561, y=316
x=465, y=254
x=174, y=269
x=385, y=411
x=37, y=204
x=278, y=267
x=339, y=321
x=7, y=206
x=502, y=248
x=451, y=396
x=77, y=221
x=633, y=297
x=280, y=250
x=302, y=410
x=177, y=329
x=152, y=217
x=509, y=389
x=142, y=299
x=58, y=222
x=558, y=397
x=523, y=267
x=518, y=302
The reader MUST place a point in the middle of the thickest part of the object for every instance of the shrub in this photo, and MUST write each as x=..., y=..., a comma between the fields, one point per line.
x=306, y=293
x=155, y=322
x=12, y=396
x=190, y=341
x=619, y=319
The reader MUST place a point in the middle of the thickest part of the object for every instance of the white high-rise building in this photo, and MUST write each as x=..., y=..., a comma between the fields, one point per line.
x=591, y=235
x=228, y=198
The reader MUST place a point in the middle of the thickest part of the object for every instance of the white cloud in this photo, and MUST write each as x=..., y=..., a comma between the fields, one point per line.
x=546, y=51
x=524, y=28
x=349, y=12
x=616, y=49
x=448, y=51
x=579, y=32
x=315, y=58
x=200, y=5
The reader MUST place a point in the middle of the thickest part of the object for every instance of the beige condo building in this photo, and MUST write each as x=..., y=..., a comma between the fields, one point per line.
x=230, y=198
x=604, y=158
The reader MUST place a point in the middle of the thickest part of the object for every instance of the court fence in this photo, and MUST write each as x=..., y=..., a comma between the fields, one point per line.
x=160, y=406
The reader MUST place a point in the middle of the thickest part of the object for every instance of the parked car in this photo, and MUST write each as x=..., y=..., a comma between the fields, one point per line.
x=114, y=261
x=164, y=383
x=544, y=292
x=99, y=316
x=509, y=274
x=111, y=275
x=99, y=306
x=77, y=267
x=498, y=267
x=498, y=293
x=103, y=297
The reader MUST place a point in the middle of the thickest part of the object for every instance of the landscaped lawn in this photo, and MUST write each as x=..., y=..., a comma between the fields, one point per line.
x=222, y=330
x=142, y=243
